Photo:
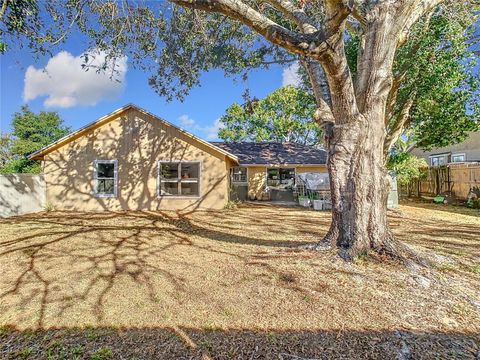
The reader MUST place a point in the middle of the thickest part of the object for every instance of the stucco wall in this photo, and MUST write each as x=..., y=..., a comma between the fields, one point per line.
x=21, y=194
x=314, y=169
x=137, y=141
x=470, y=147
x=256, y=181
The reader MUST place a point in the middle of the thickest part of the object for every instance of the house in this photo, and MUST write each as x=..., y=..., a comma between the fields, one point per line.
x=466, y=151
x=131, y=159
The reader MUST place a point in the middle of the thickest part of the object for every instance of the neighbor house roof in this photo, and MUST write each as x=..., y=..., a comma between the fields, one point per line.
x=39, y=154
x=274, y=153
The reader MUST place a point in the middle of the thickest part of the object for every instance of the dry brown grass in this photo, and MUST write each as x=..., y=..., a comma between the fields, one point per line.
x=217, y=283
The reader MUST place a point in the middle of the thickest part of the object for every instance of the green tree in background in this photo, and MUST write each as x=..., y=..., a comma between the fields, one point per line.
x=30, y=132
x=285, y=115
x=6, y=143
x=435, y=91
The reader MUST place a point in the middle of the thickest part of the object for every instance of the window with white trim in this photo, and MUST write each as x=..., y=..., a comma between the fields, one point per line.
x=458, y=157
x=438, y=160
x=105, y=178
x=239, y=174
x=178, y=178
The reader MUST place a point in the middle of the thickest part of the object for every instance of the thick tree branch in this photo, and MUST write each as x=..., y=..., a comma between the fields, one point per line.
x=392, y=96
x=337, y=12
x=375, y=66
x=312, y=45
x=401, y=122
x=295, y=14
x=413, y=10
x=321, y=91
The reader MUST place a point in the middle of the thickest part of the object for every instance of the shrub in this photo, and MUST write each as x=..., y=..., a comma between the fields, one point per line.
x=49, y=207
x=232, y=204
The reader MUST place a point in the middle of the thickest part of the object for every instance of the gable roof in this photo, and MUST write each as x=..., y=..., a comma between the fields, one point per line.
x=39, y=154
x=274, y=153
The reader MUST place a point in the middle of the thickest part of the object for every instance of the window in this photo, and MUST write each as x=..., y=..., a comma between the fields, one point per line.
x=458, y=157
x=438, y=160
x=239, y=174
x=280, y=177
x=105, y=175
x=179, y=178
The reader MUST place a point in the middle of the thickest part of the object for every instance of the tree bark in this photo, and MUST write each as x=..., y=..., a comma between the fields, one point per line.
x=353, y=115
x=359, y=188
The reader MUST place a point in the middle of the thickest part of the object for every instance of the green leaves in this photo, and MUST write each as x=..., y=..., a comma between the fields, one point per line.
x=30, y=132
x=406, y=166
x=285, y=115
x=439, y=70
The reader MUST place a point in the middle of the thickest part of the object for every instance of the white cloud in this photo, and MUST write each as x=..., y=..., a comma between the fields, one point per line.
x=186, y=121
x=66, y=84
x=207, y=132
x=211, y=132
x=290, y=75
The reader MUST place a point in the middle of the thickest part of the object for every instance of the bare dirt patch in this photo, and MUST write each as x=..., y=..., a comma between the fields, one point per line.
x=234, y=284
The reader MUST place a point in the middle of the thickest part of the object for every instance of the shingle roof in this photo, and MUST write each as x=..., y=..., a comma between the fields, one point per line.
x=271, y=153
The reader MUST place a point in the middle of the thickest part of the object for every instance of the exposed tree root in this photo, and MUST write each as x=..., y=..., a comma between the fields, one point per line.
x=391, y=249
x=398, y=251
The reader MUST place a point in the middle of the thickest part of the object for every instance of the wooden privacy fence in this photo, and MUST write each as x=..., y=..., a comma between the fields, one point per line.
x=456, y=179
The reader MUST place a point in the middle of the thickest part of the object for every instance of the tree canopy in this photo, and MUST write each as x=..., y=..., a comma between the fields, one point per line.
x=285, y=115
x=30, y=132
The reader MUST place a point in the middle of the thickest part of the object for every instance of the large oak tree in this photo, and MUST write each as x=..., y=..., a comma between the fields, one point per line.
x=183, y=39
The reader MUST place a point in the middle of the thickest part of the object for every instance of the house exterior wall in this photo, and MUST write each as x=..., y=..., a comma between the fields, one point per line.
x=137, y=141
x=314, y=169
x=470, y=147
x=257, y=177
x=257, y=180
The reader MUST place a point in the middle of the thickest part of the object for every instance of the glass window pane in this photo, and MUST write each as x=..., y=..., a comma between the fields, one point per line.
x=169, y=188
x=273, y=177
x=273, y=174
x=169, y=170
x=105, y=186
x=287, y=176
x=105, y=170
x=189, y=188
x=190, y=171
x=239, y=174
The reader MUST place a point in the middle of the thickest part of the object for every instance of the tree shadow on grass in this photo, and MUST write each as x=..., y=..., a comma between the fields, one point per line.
x=191, y=343
x=96, y=250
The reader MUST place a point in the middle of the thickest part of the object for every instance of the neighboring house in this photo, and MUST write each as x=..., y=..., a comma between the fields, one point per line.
x=133, y=160
x=466, y=151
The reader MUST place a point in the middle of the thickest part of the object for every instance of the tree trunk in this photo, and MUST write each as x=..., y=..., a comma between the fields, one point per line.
x=359, y=187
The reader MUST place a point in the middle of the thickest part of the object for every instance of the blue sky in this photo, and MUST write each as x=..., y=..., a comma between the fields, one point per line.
x=81, y=97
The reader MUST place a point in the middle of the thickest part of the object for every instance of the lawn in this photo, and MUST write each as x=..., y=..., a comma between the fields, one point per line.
x=234, y=284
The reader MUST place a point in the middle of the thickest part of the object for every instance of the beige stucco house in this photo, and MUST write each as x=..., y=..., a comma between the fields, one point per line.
x=466, y=151
x=131, y=159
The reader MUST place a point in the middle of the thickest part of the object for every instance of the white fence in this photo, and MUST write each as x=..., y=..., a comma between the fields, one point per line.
x=21, y=194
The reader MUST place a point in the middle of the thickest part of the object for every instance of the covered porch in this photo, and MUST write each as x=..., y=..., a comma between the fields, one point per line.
x=274, y=184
